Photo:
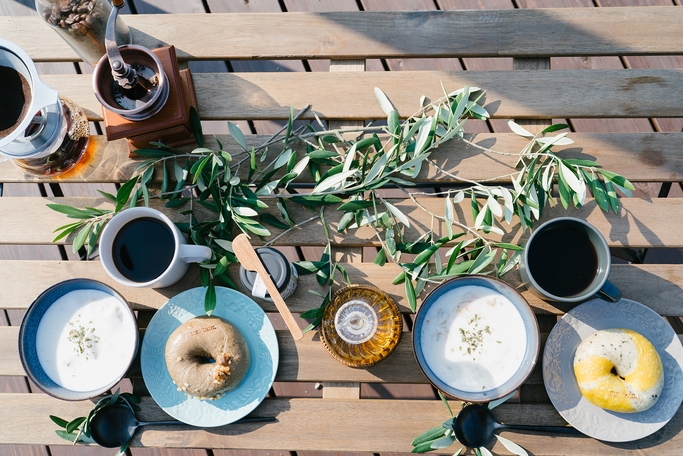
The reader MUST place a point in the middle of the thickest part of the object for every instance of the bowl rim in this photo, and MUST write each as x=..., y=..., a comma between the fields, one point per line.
x=29, y=370
x=533, y=345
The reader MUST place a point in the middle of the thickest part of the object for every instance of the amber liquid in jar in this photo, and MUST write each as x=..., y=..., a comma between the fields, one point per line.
x=70, y=151
x=361, y=326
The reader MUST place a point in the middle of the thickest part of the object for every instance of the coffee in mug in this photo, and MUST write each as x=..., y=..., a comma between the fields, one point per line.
x=141, y=247
x=568, y=260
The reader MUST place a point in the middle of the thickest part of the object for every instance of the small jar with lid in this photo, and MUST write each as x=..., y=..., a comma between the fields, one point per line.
x=361, y=326
x=83, y=25
x=282, y=272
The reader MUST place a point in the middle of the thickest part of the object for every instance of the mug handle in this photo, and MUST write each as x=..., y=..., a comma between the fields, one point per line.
x=191, y=253
x=609, y=292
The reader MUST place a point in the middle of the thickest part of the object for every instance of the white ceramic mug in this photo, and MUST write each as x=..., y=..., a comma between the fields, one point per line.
x=596, y=271
x=177, y=261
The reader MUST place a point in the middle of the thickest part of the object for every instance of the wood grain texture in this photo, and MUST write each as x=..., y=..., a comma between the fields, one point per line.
x=303, y=424
x=349, y=35
x=659, y=286
x=641, y=157
x=640, y=223
x=523, y=94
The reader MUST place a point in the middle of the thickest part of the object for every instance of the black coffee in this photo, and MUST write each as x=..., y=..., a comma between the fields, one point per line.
x=563, y=261
x=15, y=96
x=143, y=249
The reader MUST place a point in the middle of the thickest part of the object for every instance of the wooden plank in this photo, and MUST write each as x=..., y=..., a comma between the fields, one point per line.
x=658, y=286
x=303, y=424
x=642, y=157
x=640, y=223
x=349, y=35
x=510, y=94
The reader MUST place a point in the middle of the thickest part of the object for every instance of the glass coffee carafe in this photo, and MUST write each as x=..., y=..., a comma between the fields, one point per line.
x=41, y=132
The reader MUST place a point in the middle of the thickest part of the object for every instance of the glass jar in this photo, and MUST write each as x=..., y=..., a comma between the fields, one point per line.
x=83, y=24
x=41, y=132
x=71, y=138
x=361, y=326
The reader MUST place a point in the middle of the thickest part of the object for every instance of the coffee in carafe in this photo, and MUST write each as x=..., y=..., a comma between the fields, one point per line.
x=15, y=97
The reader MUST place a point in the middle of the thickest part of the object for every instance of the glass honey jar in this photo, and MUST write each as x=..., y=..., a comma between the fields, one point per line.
x=361, y=326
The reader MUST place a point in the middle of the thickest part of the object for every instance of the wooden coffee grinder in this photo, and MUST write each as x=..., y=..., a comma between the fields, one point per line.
x=144, y=96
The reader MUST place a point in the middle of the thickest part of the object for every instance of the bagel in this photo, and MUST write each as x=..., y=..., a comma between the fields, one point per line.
x=207, y=357
x=619, y=370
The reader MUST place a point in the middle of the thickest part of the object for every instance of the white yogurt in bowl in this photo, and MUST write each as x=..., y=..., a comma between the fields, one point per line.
x=85, y=339
x=78, y=339
x=475, y=338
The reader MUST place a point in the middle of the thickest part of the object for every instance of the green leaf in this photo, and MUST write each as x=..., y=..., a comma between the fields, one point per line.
x=506, y=245
x=376, y=169
x=554, y=127
x=331, y=139
x=423, y=447
x=210, y=299
x=518, y=129
x=81, y=237
x=345, y=221
x=580, y=162
x=443, y=442
x=237, y=135
x=65, y=435
x=73, y=424
x=196, y=127
x=384, y=102
x=273, y=221
x=124, y=193
x=313, y=313
x=445, y=402
x=598, y=191
x=482, y=261
x=323, y=155
x=355, y=205
x=66, y=230
x=397, y=213
x=316, y=200
x=59, y=421
x=71, y=212
x=565, y=196
x=612, y=195
x=410, y=294
x=221, y=266
x=617, y=179
x=380, y=258
x=497, y=402
x=511, y=446
x=108, y=196
x=429, y=435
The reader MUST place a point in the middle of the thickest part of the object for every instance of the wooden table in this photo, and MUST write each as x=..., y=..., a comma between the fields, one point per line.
x=346, y=418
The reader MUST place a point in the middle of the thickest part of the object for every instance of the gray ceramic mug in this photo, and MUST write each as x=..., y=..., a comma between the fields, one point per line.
x=567, y=260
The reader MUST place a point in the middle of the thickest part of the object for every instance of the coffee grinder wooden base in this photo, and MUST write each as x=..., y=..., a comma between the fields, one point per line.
x=171, y=125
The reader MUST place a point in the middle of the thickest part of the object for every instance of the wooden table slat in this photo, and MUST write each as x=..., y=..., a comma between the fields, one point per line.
x=359, y=35
x=521, y=94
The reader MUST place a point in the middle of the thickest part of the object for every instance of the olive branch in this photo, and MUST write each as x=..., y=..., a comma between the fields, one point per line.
x=348, y=167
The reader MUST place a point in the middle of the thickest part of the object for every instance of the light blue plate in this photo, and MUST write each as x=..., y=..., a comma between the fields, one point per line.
x=257, y=330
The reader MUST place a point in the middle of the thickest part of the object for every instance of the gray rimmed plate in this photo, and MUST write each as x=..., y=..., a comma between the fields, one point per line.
x=563, y=390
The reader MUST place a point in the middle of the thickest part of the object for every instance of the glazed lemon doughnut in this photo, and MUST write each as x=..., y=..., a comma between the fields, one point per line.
x=619, y=370
x=206, y=357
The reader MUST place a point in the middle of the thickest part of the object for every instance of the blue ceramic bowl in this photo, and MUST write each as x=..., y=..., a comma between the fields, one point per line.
x=530, y=326
x=29, y=330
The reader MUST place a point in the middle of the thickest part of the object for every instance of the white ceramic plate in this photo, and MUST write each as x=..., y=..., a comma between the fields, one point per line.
x=257, y=330
x=560, y=381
